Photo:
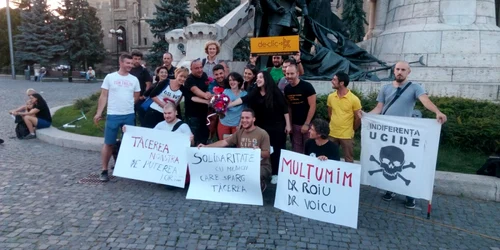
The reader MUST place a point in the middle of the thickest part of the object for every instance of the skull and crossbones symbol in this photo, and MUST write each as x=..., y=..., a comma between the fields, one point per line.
x=391, y=161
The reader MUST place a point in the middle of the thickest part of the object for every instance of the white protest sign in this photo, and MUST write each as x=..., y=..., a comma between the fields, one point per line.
x=399, y=154
x=225, y=175
x=153, y=155
x=321, y=190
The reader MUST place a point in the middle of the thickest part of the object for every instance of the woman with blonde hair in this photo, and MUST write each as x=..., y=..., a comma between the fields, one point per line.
x=166, y=91
x=25, y=107
x=212, y=49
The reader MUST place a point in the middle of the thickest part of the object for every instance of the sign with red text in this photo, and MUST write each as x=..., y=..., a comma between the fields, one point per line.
x=225, y=175
x=153, y=155
x=399, y=154
x=327, y=191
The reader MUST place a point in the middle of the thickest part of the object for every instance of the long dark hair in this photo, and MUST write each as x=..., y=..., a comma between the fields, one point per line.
x=254, y=71
x=270, y=88
x=237, y=77
x=40, y=102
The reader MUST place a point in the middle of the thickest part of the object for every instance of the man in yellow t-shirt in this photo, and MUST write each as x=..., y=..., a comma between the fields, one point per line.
x=343, y=109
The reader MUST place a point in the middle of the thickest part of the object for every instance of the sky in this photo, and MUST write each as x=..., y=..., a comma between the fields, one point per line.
x=52, y=3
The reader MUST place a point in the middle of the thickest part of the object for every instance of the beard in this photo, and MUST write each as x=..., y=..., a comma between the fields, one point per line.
x=400, y=79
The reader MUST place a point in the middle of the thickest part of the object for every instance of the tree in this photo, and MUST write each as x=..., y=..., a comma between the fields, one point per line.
x=15, y=17
x=39, y=38
x=169, y=15
x=82, y=33
x=354, y=18
x=210, y=11
x=23, y=4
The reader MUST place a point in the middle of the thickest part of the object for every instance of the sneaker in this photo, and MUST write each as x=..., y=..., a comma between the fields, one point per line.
x=1, y=141
x=388, y=196
x=263, y=186
x=274, y=179
x=410, y=203
x=104, y=176
x=30, y=136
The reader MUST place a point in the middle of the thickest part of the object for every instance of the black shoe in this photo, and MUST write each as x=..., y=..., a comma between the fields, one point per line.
x=410, y=203
x=1, y=141
x=388, y=196
x=104, y=176
x=30, y=136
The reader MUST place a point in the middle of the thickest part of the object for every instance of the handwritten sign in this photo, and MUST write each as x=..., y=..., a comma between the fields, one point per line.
x=321, y=190
x=400, y=155
x=153, y=156
x=225, y=175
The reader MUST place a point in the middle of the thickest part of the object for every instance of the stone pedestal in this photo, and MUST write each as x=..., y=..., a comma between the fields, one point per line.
x=458, y=39
x=176, y=44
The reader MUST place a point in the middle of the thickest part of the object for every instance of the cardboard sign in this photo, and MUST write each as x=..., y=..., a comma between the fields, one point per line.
x=399, y=154
x=153, y=156
x=274, y=45
x=225, y=175
x=321, y=190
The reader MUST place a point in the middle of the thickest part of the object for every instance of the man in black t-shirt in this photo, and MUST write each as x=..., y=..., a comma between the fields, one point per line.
x=196, y=85
x=167, y=62
x=301, y=98
x=145, y=80
x=319, y=146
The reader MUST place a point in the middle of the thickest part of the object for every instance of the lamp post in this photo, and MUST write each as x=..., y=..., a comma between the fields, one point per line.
x=11, y=46
x=118, y=33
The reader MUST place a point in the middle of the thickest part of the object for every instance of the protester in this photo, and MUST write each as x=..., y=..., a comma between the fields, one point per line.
x=167, y=62
x=165, y=91
x=252, y=59
x=37, y=117
x=196, y=113
x=319, y=146
x=283, y=82
x=343, y=109
x=212, y=49
x=119, y=91
x=398, y=99
x=276, y=71
x=301, y=98
x=249, y=77
x=250, y=136
x=229, y=124
x=219, y=79
x=271, y=113
x=145, y=80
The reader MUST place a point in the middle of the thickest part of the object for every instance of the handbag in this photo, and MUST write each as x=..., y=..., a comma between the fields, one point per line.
x=145, y=105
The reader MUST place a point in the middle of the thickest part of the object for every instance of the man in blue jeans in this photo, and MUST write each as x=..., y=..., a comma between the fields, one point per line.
x=119, y=90
x=403, y=105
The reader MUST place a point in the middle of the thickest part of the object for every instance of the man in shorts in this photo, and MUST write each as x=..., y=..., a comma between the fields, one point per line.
x=119, y=91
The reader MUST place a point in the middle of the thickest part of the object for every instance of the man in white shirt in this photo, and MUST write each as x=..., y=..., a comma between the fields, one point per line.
x=119, y=90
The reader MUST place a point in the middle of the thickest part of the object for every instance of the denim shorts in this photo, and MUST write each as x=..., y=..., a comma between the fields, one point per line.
x=41, y=123
x=114, y=123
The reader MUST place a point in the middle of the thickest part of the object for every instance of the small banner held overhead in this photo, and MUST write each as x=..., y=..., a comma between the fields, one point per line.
x=153, y=156
x=399, y=154
x=225, y=175
x=321, y=190
x=274, y=45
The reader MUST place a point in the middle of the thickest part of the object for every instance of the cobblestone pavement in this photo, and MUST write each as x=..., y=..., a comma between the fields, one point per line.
x=42, y=206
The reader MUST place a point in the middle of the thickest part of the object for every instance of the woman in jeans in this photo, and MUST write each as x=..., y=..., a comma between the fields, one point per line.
x=166, y=91
x=229, y=124
x=271, y=114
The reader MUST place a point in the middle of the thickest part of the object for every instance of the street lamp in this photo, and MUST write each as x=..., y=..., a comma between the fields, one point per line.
x=118, y=33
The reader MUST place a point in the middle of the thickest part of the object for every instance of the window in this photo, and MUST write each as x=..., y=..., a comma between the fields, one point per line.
x=145, y=41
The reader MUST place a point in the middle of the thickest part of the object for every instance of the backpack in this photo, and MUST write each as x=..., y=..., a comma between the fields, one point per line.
x=490, y=168
x=22, y=130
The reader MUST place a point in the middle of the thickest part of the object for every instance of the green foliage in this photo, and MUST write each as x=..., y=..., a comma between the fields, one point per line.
x=169, y=15
x=354, y=18
x=15, y=17
x=210, y=11
x=39, y=39
x=472, y=125
x=82, y=33
x=241, y=51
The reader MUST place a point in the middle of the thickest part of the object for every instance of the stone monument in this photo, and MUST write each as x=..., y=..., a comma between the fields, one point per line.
x=458, y=39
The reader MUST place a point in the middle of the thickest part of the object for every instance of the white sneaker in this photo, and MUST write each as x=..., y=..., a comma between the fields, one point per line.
x=274, y=179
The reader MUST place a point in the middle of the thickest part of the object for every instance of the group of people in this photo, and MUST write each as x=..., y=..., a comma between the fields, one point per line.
x=266, y=106
x=35, y=113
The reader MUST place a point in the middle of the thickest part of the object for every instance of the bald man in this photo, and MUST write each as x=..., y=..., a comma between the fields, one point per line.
x=406, y=95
